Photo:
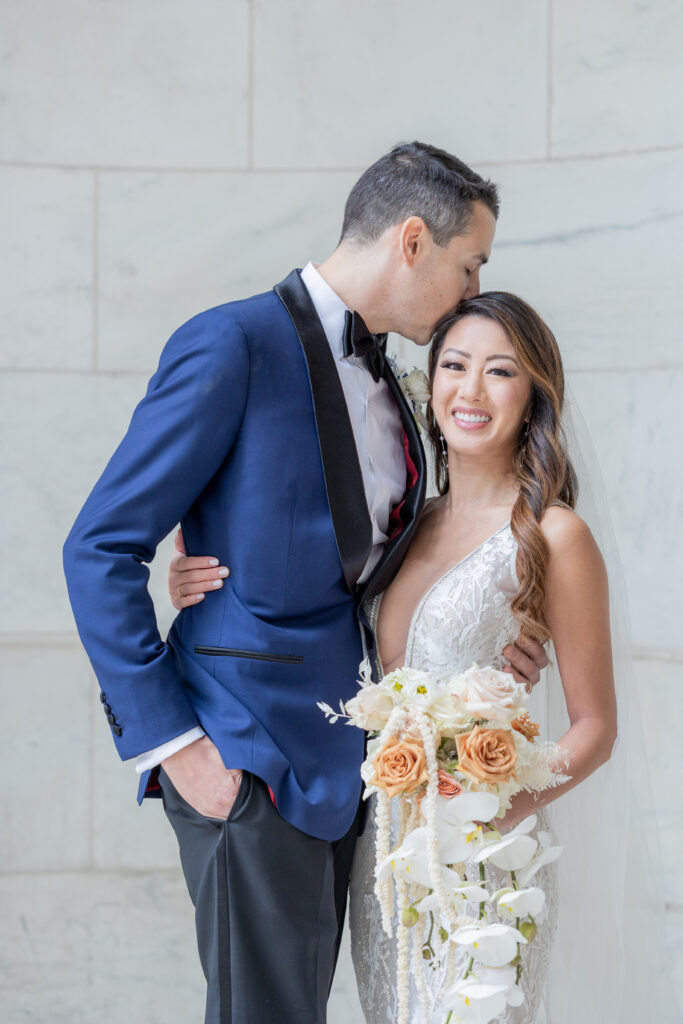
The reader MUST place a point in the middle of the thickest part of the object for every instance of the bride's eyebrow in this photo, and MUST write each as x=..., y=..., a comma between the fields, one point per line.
x=468, y=355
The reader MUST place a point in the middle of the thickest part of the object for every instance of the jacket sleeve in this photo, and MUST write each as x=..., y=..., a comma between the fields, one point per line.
x=178, y=437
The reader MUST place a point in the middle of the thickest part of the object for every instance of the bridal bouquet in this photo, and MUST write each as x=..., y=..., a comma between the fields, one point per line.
x=451, y=752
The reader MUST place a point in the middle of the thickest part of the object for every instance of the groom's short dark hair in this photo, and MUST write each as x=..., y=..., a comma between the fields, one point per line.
x=416, y=180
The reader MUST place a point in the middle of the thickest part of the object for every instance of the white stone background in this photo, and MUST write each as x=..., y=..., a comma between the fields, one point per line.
x=159, y=157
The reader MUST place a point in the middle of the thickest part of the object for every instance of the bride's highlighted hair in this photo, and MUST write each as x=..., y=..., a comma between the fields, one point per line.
x=541, y=464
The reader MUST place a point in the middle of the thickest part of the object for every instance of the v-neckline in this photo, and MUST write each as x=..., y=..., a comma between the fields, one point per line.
x=430, y=589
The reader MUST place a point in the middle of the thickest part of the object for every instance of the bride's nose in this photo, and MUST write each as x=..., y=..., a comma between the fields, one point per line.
x=471, y=387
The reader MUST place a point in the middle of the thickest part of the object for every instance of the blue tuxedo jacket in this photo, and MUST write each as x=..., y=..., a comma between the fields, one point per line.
x=243, y=437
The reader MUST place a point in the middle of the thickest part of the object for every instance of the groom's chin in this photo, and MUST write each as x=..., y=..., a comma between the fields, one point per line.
x=418, y=336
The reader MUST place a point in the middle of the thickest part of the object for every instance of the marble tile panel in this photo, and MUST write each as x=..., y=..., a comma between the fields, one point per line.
x=635, y=420
x=59, y=431
x=337, y=84
x=617, y=75
x=96, y=947
x=125, y=835
x=159, y=84
x=46, y=254
x=595, y=245
x=659, y=693
x=172, y=245
x=675, y=933
x=44, y=758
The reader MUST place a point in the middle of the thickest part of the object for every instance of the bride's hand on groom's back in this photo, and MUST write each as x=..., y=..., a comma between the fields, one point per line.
x=190, y=577
x=527, y=658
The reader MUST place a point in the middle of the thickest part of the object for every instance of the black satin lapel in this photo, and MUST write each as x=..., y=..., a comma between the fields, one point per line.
x=395, y=549
x=343, y=477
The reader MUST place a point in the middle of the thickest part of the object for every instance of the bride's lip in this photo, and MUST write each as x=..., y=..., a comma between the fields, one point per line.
x=462, y=411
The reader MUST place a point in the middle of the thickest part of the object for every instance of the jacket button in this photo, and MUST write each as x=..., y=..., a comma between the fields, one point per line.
x=106, y=709
x=103, y=697
x=111, y=719
x=117, y=730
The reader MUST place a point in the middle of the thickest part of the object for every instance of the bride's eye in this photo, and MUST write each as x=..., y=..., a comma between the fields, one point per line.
x=452, y=365
x=501, y=371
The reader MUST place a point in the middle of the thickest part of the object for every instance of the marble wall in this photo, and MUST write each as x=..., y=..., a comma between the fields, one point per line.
x=157, y=158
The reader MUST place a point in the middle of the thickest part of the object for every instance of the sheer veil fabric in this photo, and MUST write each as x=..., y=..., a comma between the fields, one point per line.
x=609, y=962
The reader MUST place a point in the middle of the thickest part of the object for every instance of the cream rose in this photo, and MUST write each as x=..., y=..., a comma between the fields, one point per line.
x=370, y=708
x=486, y=755
x=488, y=693
x=400, y=766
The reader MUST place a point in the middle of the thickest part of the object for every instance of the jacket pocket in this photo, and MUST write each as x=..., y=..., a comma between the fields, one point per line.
x=231, y=652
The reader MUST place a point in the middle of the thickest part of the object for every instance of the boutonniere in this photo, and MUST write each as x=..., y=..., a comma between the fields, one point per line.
x=415, y=386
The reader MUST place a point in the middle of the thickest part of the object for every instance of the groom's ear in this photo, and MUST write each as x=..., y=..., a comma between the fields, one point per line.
x=414, y=240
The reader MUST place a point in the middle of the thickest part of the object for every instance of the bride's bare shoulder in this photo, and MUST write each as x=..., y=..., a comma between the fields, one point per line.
x=566, y=533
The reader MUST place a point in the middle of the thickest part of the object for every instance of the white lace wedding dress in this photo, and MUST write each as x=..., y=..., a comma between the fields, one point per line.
x=464, y=617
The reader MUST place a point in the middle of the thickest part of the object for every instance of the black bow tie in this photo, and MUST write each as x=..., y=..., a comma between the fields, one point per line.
x=359, y=342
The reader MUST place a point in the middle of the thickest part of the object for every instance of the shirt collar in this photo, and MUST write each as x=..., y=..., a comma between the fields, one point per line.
x=329, y=307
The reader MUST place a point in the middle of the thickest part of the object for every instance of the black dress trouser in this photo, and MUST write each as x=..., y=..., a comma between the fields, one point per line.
x=269, y=906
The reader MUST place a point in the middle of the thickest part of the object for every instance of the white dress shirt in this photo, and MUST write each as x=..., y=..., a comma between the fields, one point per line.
x=376, y=426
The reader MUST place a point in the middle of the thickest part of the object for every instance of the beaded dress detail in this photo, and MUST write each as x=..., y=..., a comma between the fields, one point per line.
x=464, y=617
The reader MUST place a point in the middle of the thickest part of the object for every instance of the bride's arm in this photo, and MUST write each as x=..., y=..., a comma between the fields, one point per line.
x=577, y=613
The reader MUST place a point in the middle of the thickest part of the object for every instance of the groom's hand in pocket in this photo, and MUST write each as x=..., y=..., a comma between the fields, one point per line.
x=199, y=775
x=527, y=659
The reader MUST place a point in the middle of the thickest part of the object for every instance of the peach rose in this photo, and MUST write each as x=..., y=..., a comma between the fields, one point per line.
x=448, y=786
x=524, y=725
x=486, y=755
x=400, y=766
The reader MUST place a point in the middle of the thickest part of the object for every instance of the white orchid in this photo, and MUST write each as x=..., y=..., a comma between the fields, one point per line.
x=520, y=903
x=465, y=809
x=411, y=862
x=546, y=854
x=514, y=850
x=492, y=944
x=506, y=976
x=474, y=1003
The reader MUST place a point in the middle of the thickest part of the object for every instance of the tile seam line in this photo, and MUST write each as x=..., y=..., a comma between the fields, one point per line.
x=549, y=82
x=348, y=168
x=641, y=652
x=127, y=871
x=146, y=371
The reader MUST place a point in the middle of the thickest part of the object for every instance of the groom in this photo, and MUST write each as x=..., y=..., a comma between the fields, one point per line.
x=275, y=432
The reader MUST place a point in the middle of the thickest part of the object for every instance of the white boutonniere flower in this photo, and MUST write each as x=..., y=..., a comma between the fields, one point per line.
x=415, y=386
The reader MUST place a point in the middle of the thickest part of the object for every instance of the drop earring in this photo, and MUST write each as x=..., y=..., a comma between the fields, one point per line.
x=444, y=453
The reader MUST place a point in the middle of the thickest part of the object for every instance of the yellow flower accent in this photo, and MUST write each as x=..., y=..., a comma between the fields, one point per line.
x=422, y=689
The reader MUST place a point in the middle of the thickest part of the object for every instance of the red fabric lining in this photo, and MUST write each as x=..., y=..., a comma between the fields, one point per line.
x=154, y=787
x=395, y=519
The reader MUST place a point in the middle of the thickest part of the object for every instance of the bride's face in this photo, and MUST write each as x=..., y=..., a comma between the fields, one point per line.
x=481, y=393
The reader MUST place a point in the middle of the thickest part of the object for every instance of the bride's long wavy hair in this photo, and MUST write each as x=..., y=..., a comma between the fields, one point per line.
x=541, y=464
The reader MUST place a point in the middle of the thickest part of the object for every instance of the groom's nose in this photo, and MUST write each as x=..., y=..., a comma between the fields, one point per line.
x=472, y=285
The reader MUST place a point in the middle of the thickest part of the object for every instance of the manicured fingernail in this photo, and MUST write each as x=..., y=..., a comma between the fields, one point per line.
x=213, y=561
x=223, y=572
x=199, y=597
x=218, y=583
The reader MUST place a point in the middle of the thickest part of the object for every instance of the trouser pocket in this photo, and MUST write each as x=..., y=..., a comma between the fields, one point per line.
x=173, y=801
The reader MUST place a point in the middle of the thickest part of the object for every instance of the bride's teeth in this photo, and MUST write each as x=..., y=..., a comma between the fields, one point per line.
x=470, y=418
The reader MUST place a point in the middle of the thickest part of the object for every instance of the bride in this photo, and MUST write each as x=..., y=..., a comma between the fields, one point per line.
x=498, y=552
